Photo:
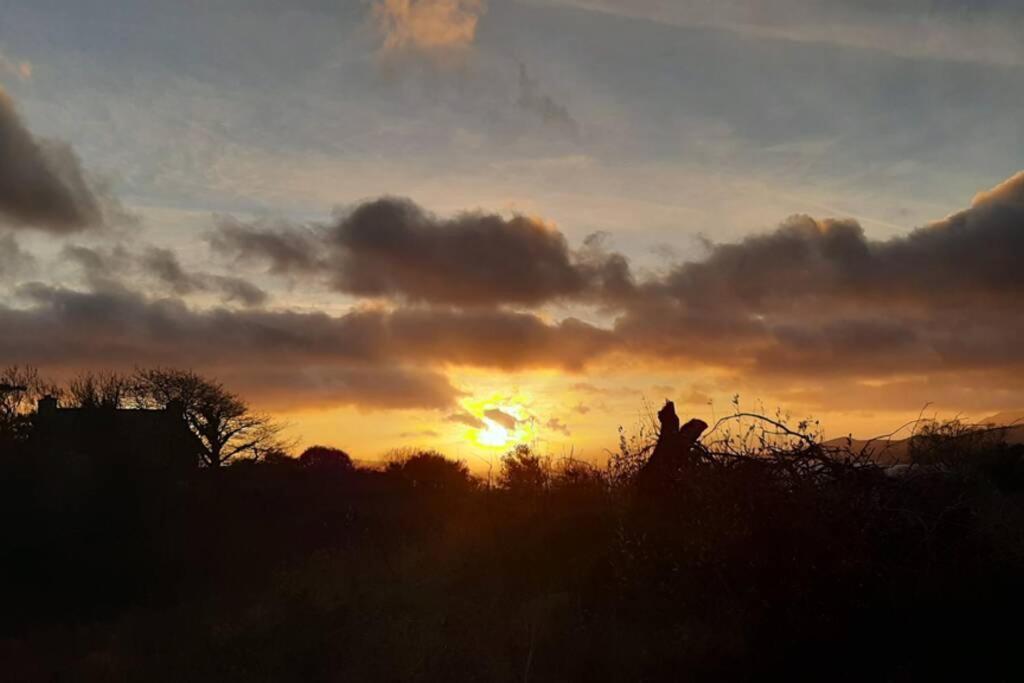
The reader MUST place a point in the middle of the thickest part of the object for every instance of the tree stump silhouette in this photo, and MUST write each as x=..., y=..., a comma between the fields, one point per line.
x=673, y=453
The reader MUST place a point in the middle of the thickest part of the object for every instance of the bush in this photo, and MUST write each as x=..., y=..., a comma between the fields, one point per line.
x=428, y=470
x=325, y=458
x=523, y=472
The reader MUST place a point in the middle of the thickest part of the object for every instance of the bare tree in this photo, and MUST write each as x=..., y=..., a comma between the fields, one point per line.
x=20, y=388
x=225, y=425
x=101, y=390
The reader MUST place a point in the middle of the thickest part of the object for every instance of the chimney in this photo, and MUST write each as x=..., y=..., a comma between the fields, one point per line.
x=176, y=408
x=46, y=406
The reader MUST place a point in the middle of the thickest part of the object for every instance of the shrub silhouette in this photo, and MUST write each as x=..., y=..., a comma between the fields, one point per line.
x=325, y=458
x=523, y=472
x=765, y=556
x=428, y=470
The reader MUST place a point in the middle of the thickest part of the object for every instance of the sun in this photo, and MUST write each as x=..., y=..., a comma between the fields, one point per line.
x=503, y=421
x=492, y=436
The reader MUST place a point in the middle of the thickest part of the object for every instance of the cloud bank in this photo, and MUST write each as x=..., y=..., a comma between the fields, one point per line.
x=336, y=357
x=813, y=298
x=819, y=297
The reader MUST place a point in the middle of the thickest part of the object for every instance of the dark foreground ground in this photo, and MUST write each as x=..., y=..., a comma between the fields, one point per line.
x=739, y=569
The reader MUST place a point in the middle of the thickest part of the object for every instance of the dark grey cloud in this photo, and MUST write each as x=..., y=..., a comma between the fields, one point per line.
x=163, y=264
x=113, y=268
x=502, y=419
x=284, y=248
x=819, y=297
x=237, y=290
x=393, y=248
x=368, y=388
x=42, y=183
x=102, y=268
x=813, y=297
x=370, y=354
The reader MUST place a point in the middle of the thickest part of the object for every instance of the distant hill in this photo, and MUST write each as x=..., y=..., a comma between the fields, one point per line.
x=1009, y=418
x=896, y=451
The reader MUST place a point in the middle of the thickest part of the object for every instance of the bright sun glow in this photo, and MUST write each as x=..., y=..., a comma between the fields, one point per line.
x=505, y=421
x=494, y=436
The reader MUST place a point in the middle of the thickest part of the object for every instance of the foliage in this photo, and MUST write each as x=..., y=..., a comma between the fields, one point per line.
x=524, y=472
x=429, y=470
x=325, y=458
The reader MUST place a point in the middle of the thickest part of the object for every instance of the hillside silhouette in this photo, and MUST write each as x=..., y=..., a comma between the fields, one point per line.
x=155, y=528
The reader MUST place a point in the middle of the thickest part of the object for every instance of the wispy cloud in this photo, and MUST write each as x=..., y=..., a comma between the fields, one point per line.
x=542, y=105
x=922, y=31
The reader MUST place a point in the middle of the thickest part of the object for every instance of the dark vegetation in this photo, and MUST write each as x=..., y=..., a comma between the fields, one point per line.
x=756, y=553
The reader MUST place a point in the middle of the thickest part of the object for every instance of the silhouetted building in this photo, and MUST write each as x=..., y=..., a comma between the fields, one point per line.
x=98, y=436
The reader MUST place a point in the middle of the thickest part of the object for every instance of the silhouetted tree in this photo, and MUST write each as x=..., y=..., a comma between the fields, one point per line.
x=22, y=387
x=226, y=426
x=326, y=458
x=577, y=475
x=101, y=390
x=430, y=470
x=523, y=471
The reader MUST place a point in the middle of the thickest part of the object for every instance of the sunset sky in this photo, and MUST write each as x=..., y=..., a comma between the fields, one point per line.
x=467, y=223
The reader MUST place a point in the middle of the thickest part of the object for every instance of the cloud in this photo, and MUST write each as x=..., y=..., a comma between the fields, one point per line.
x=163, y=264
x=817, y=297
x=366, y=388
x=466, y=418
x=393, y=248
x=556, y=425
x=20, y=69
x=485, y=339
x=426, y=433
x=116, y=268
x=920, y=30
x=15, y=262
x=367, y=357
x=42, y=184
x=813, y=298
x=285, y=248
x=101, y=268
x=813, y=302
x=427, y=26
x=1010, y=191
x=532, y=100
x=588, y=388
x=237, y=290
x=502, y=419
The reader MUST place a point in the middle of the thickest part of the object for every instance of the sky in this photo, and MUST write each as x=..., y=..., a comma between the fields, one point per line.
x=461, y=224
